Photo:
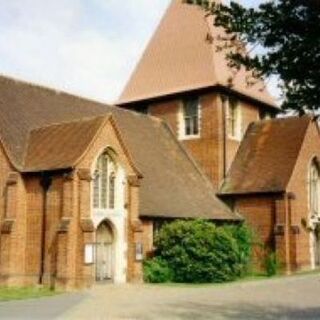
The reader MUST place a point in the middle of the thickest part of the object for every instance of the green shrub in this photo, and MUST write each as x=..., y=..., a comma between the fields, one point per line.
x=244, y=237
x=157, y=270
x=271, y=264
x=199, y=252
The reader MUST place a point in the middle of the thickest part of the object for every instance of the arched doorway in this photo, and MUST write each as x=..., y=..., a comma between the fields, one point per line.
x=109, y=216
x=104, y=252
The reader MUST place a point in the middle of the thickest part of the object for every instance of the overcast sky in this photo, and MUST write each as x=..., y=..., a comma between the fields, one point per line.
x=85, y=47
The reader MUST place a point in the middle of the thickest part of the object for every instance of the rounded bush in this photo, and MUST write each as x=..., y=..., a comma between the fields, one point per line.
x=199, y=252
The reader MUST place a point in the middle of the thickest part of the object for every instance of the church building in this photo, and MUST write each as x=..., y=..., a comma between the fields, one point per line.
x=84, y=186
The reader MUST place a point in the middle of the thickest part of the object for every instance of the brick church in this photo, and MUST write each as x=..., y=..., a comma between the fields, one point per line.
x=84, y=186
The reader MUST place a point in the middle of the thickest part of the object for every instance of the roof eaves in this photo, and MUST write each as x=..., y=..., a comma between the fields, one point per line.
x=249, y=192
x=188, y=89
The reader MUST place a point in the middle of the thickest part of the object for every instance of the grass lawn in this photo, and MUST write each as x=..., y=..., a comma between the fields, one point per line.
x=7, y=294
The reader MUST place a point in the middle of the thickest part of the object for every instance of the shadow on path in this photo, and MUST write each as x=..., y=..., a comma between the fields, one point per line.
x=199, y=311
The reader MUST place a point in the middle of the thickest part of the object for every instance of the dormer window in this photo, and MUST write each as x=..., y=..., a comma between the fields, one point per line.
x=190, y=119
x=234, y=126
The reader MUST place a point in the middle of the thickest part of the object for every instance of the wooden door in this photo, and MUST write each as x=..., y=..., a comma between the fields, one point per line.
x=104, y=253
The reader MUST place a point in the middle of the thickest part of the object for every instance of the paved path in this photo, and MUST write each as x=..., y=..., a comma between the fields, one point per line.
x=286, y=298
x=44, y=308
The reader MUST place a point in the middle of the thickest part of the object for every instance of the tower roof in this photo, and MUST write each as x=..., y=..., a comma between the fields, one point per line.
x=182, y=56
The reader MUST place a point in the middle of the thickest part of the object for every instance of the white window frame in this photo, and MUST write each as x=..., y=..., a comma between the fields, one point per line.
x=182, y=121
x=237, y=134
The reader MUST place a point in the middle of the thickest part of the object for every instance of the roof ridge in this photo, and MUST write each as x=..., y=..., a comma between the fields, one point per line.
x=50, y=89
x=56, y=124
x=283, y=119
x=209, y=22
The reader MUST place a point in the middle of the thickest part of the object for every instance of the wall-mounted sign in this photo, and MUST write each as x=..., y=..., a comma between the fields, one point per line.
x=89, y=253
x=139, y=251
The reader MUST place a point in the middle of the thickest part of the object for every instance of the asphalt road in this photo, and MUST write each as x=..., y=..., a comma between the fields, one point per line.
x=294, y=298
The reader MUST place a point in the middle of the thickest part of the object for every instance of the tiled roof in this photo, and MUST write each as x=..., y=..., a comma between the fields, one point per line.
x=267, y=156
x=182, y=56
x=42, y=129
x=59, y=146
x=172, y=183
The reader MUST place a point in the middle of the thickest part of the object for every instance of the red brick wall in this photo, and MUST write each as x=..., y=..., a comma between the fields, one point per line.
x=34, y=223
x=259, y=213
x=300, y=204
x=68, y=202
x=264, y=213
x=208, y=149
x=12, y=223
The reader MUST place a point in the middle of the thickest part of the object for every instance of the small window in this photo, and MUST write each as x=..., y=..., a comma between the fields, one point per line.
x=234, y=119
x=190, y=118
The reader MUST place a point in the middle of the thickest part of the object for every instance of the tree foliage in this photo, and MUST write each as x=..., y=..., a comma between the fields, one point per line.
x=284, y=41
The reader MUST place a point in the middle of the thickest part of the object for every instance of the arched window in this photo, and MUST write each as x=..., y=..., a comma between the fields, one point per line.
x=104, y=182
x=314, y=189
x=112, y=182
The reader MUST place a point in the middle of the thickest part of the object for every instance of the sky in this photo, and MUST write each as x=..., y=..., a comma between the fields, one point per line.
x=88, y=48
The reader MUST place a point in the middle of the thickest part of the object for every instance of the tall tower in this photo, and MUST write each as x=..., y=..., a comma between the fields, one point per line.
x=185, y=80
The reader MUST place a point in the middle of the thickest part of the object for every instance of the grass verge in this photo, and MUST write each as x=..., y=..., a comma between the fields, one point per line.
x=7, y=294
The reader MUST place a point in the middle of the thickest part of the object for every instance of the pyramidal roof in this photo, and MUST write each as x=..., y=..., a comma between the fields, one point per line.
x=182, y=56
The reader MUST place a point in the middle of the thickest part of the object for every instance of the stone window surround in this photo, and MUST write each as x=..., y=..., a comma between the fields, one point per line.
x=181, y=120
x=237, y=119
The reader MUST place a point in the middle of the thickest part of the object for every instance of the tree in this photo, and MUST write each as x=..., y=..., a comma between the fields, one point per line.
x=283, y=37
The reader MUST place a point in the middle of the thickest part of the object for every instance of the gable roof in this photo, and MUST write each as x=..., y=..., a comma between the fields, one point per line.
x=182, y=56
x=59, y=146
x=24, y=107
x=266, y=157
x=42, y=130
